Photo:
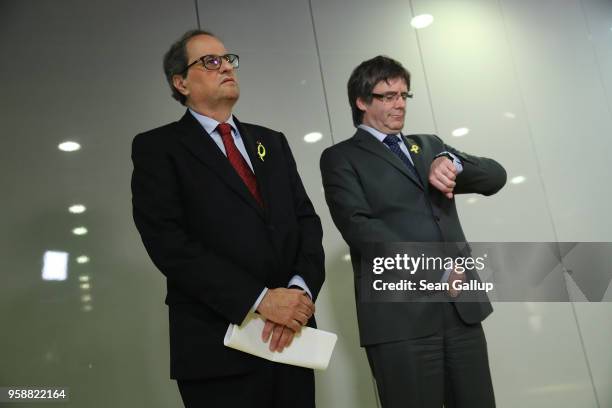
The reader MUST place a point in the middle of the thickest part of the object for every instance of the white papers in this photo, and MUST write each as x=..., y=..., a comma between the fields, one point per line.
x=311, y=348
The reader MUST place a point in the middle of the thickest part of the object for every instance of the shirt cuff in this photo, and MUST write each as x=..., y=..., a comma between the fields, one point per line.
x=258, y=301
x=456, y=160
x=297, y=280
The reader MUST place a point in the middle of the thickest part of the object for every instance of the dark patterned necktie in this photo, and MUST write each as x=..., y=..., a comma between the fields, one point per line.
x=237, y=161
x=393, y=142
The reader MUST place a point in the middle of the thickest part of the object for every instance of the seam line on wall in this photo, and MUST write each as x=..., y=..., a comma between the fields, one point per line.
x=314, y=33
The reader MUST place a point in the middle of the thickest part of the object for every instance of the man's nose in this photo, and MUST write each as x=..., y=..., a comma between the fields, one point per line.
x=226, y=66
x=399, y=102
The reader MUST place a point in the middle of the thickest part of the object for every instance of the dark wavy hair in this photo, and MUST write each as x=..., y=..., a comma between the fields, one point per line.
x=175, y=60
x=366, y=76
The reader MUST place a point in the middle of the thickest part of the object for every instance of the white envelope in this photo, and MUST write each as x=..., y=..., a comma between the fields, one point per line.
x=311, y=348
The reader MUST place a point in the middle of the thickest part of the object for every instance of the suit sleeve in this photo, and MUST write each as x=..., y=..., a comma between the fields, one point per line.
x=310, y=261
x=348, y=203
x=189, y=266
x=480, y=175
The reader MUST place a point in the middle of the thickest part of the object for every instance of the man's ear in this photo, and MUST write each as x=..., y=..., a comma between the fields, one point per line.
x=179, y=84
x=361, y=104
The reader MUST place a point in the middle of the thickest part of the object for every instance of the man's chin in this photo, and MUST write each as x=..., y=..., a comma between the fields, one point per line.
x=232, y=94
x=396, y=128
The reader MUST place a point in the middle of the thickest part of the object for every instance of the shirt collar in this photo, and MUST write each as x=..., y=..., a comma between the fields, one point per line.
x=377, y=133
x=209, y=124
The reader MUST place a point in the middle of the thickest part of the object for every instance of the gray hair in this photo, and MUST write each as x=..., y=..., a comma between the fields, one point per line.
x=175, y=61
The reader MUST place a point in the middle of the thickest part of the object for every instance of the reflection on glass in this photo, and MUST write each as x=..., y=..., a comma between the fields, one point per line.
x=69, y=146
x=518, y=179
x=77, y=209
x=313, y=137
x=535, y=322
x=460, y=132
x=79, y=231
x=421, y=21
x=55, y=265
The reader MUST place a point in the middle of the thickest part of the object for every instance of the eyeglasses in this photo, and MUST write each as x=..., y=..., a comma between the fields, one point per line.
x=214, y=62
x=392, y=96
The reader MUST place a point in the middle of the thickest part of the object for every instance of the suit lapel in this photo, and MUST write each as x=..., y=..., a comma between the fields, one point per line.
x=368, y=142
x=416, y=153
x=199, y=142
x=251, y=143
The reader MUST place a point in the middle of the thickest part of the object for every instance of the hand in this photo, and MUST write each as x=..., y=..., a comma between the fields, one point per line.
x=442, y=175
x=281, y=335
x=287, y=307
x=455, y=277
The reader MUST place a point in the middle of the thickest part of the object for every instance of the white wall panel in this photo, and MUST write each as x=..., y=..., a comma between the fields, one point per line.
x=594, y=319
x=90, y=72
x=565, y=100
x=562, y=51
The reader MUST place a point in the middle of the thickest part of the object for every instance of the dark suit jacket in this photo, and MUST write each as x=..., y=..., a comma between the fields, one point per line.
x=216, y=246
x=373, y=197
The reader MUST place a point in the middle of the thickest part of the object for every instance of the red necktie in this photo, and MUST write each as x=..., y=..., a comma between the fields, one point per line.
x=238, y=162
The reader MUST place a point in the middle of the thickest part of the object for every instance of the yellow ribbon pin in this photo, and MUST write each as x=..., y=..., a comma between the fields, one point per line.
x=414, y=149
x=261, y=151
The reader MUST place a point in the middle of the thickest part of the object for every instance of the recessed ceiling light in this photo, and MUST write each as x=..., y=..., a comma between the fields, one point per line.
x=85, y=286
x=55, y=265
x=313, y=137
x=77, y=209
x=83, y=259
x=87, y=308
x=86, y=298
x=421, y=21
x=460, y=132
x=84, y=278
x=518, y=179
x=79, y=231
x=69, y=146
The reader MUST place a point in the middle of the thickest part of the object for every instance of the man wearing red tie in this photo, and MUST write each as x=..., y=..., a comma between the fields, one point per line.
x=224, y=216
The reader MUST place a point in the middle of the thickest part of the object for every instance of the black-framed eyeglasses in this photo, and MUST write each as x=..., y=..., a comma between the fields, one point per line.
x=392, y=96
x=214, y=62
